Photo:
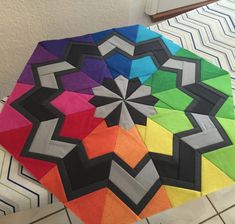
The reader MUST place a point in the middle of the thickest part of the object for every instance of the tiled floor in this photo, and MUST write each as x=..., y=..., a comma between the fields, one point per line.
x=55, y=213
x=216, y=208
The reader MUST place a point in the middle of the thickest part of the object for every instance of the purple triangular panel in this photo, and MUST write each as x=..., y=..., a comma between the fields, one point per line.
x=56, y=47
x=39, y=55
x=78, y=82
x=26, y=76
x=86, y=39
x=96, y=69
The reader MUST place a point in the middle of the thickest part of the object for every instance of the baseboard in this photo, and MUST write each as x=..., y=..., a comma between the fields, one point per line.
x=175, y=12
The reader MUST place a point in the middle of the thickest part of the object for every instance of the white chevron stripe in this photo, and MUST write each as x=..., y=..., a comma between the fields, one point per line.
x=17, y=190
x=208, y=42
x=224, y=18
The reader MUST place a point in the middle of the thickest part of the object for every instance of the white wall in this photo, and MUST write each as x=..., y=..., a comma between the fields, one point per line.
x=137, y=15
x=23, y=23
x=165, y=5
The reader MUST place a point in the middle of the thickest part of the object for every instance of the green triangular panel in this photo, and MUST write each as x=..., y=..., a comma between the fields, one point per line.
x=229, y=127
x=210, y=71
x=162, y=81
x=175, y=98
x=162, y=105
x=227, y=109
x=185, y=53
x=222, y=83
x=173, y=120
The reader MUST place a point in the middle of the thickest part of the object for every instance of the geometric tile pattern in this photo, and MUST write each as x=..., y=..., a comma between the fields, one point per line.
x=151, y=120
x=55, y=213
x=216, y=208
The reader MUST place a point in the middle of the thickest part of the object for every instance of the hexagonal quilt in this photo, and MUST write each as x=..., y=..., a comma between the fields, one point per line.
x=121, y=124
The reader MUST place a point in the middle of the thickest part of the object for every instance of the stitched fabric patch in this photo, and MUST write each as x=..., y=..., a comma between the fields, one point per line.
x=121, y=124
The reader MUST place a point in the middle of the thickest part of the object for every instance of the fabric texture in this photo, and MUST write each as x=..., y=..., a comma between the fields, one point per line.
x=126, y=142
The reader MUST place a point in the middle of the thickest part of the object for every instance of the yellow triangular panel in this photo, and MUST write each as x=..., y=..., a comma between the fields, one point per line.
x=213, y=178
x=178, y=196
x=142, y=130
x=158, y=139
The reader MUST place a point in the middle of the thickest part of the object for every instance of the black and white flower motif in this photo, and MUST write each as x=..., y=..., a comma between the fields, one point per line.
x=124, y=102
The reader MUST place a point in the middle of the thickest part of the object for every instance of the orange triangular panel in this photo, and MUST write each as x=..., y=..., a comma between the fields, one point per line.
x=130, y=146
x=101, y=140
x=115, y=211
x=158, y=203
x=89, y=208
x=53, y=183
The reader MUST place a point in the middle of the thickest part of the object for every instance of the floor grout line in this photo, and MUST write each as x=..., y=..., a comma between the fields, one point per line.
x=46, y=216
x=70, y=222
x=208, y=219
x=213, y=216
x=227, y=209
x=215, y=209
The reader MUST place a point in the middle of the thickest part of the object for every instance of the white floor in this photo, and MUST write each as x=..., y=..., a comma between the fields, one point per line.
x=216, y=208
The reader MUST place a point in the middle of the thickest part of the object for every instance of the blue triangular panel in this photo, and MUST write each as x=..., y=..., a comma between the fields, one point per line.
x=130, y=32
x=146, y=34
x=144, y=78
x=171, y=45
x=98, y=37
x=119, y=65
x=142, y=67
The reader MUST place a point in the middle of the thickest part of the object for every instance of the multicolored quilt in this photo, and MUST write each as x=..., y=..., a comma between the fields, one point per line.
x=121, y=124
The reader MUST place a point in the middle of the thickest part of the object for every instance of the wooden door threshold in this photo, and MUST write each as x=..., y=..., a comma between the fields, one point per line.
x=175, y=12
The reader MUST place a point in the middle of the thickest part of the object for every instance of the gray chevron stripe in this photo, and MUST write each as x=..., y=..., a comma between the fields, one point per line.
x=134, y=188
x=116, y=42
x=47, y=76
x=55, y=67
x=49, y=81
x=209, y=135
x=188, y=70
x=43, y=144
